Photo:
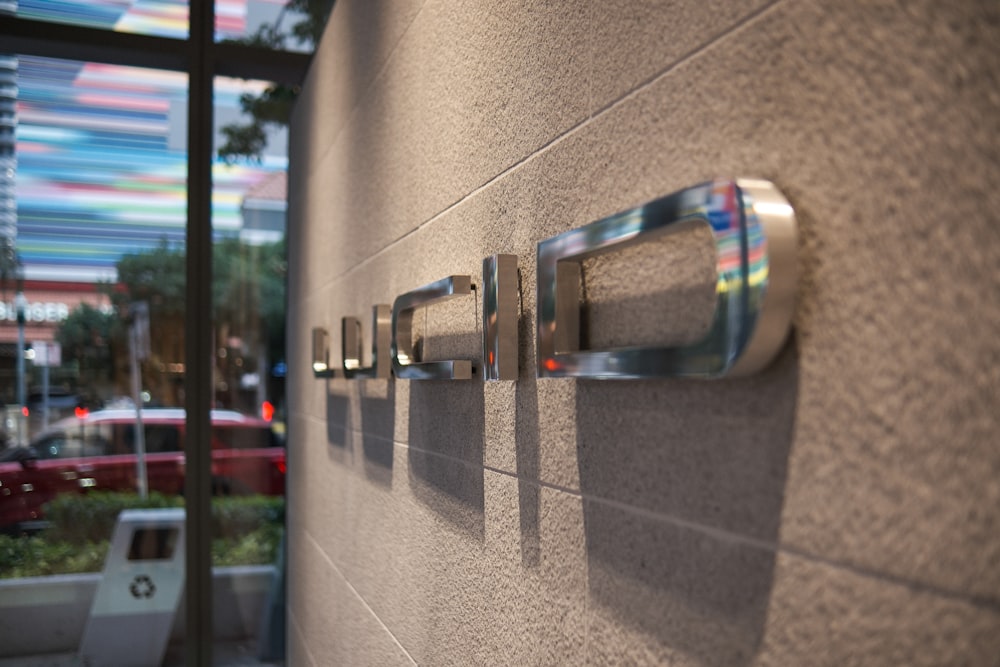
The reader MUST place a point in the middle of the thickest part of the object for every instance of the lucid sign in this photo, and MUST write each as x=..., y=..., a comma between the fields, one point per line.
x=754, y=232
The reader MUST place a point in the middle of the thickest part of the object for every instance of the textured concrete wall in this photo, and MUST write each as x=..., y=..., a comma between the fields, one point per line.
x=840, y=508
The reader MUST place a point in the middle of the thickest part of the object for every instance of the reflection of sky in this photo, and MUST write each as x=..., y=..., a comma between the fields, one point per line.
x=102, y=165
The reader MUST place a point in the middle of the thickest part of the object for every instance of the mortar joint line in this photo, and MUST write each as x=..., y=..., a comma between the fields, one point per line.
x=690, y=55
x=353, y=590
x=591, y=116
x=982, y=601
x=297, y=629
x=986, y=602
x=367, y=90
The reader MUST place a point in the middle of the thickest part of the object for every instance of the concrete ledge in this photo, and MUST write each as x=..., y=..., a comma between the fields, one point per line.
x=41, y=615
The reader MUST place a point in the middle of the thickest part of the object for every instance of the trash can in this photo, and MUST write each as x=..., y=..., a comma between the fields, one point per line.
x=133, y=611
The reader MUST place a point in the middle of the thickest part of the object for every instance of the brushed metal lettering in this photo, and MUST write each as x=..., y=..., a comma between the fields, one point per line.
x=351, y=343
x=321, y=354
x=755, y=235
x=405, y=365
x=500, y=318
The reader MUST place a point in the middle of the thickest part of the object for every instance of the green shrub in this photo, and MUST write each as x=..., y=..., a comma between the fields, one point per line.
x=233, y=516
x=258, y=546
x=91, y=517
x=247, y=532
x=36, y=556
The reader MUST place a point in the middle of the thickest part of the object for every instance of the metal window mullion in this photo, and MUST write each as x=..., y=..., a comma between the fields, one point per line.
x=198, y=338
x=71, y=42
x=46, y=39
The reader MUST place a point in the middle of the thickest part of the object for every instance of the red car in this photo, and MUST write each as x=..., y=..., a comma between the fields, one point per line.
x=97, y=452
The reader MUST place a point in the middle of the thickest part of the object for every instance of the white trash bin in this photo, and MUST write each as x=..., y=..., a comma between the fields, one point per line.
x=134, y=608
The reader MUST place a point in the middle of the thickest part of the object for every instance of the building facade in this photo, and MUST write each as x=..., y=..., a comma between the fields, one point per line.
x=838, y=508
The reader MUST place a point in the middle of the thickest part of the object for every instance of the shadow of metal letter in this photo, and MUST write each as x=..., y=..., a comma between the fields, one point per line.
x=500, y=317
x=404, y=363
x=755, y=236
x=351, y=344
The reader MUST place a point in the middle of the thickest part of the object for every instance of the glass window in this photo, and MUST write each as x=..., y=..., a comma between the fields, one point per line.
x=99, y=166
x=248, y=227
x=93, y=221
x=101, y=169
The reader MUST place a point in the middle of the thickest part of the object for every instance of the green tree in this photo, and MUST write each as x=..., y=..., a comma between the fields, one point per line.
x=248, y=304
x=156, y=276
x=249, y=291
x=247, y=141
x=90, y=338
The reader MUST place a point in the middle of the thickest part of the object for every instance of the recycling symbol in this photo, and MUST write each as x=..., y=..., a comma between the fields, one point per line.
x=142, y=587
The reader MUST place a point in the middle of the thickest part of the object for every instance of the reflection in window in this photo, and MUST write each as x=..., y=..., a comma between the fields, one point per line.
x=278, y=24
x=93, y=178
x=101, y=205
x=161, y=18
x=290, y=25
